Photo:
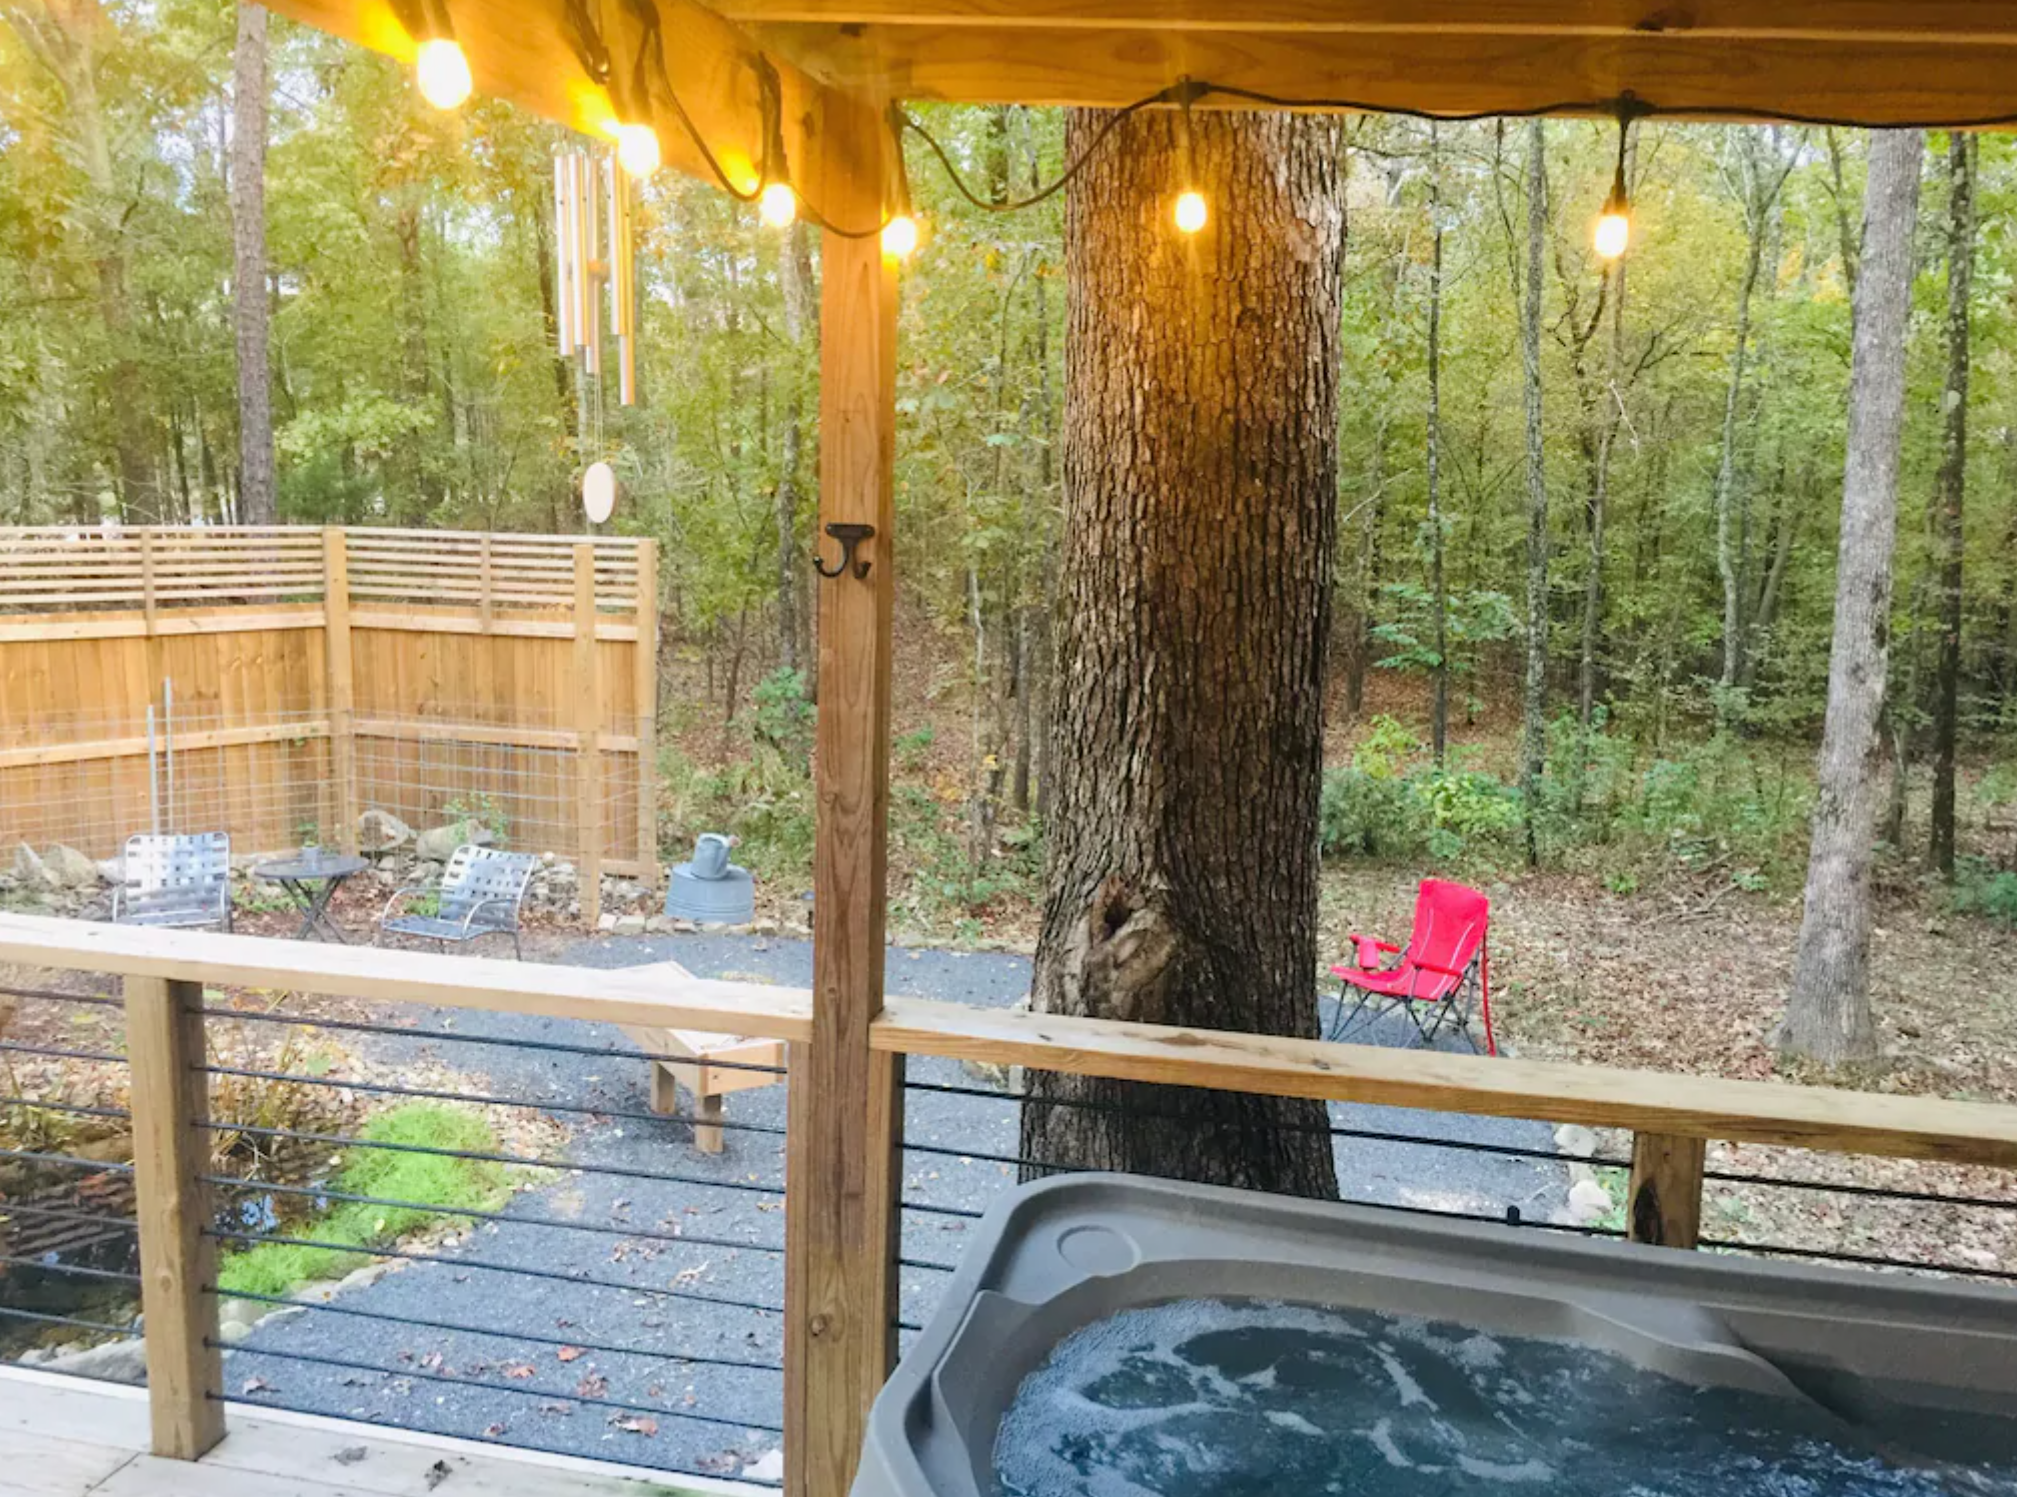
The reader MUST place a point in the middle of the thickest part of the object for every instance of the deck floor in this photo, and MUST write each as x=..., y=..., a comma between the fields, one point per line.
x=64, y=1437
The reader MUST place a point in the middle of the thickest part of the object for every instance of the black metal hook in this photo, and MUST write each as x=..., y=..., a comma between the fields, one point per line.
x=849, y=537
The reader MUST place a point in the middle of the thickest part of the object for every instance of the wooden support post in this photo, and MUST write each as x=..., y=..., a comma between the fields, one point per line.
x=644, y=666
x=342, y=701
x=588, y=810
x=171, y=1155
x=1664, y=1207
x=845, y=1100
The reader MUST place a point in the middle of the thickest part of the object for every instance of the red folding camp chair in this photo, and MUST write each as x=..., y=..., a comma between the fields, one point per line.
x=1442, y=979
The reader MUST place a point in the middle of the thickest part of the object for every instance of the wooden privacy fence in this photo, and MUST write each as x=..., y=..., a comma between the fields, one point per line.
x=842, y=1307
x=276, y=682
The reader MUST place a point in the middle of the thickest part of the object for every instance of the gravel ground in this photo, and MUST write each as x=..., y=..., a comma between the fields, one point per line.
x=699, y=1393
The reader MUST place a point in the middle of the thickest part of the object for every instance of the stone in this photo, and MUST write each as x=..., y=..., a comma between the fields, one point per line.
x=764, y=927
x=30, y=869
x=1588, y=1202
x=35, y=1356
x=767, y=1467
x=438, y=844
x=114, y=1362
x=607, y=924
x=658, y=925
x=239, y=1312
x=71, y=868
x=1573, y=1138
x=380, y=832
x=685, y=928
x=112, y=870
x=629, y=925
x=233, y=1332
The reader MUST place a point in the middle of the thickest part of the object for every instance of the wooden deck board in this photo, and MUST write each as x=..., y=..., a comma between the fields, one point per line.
x=63, y=1437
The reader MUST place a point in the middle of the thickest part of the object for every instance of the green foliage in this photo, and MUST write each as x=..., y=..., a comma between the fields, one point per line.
x=784, y=713
x=1387, y=804
x=437, y=1187
x=1469, y=619
x=1985, y=891
x=479, y=809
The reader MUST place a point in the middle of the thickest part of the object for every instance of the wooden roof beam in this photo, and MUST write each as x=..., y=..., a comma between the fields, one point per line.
x=521, y=52
x=1878, y=82
x=1948, y=22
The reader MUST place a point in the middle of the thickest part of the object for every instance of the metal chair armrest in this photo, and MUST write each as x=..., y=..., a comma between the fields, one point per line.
x=397, y=895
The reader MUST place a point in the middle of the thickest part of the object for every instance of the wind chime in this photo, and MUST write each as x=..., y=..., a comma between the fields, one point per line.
x=592, y=215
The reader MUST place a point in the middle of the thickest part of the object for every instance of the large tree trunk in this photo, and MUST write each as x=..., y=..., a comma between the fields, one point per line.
x=248, y=273
x=1828, y=1009
x=1200, y=521
x=1953, y=489
x=1534, y=738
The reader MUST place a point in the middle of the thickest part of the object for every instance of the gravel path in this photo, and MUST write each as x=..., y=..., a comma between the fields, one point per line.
x=616, y=1276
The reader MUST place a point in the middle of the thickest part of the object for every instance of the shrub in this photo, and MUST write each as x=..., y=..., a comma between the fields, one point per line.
x=1990, y=893
x=784, y=714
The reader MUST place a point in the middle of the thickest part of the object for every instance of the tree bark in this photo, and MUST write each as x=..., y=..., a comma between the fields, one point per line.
x=248, y=272
x=1534, y=742
x=1828, y=1008
x=1200, y=466
x=1953, y=490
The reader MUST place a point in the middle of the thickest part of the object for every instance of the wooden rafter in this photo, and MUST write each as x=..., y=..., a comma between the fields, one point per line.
x=1734, y=70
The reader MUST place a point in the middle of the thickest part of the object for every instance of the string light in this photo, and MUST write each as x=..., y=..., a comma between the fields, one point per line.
x=900, y=237
x=778, y=205
x=637, y=151
x=1614, y=224
x=443, y=73
x=1191, y=213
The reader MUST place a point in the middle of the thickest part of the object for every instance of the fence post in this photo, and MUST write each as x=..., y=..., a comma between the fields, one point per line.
x=588, y=806
x=336, y=636
x=486, y=603
x=644, y=662
x=1664, y=1203
x=845, y=1104
x=171, y=1152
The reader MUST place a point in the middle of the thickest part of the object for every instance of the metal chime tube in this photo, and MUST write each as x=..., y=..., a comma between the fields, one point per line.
x=622, y=285
x=592, y=258
x=563, y=240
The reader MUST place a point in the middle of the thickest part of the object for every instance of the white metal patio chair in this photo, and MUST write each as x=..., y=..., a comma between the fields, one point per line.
x=480, y=894
x=175, y=881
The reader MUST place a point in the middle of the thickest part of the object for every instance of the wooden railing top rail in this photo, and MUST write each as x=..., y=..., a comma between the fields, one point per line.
x=665, y=995
x=662, y=996
x=1845, y=1122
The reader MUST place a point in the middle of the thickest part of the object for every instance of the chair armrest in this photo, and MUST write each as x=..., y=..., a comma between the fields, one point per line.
x=1434, y=967
x=1369, y=950
x=469, y=919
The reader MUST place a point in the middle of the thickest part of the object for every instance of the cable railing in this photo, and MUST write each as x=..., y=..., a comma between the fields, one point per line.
x=440, y=1193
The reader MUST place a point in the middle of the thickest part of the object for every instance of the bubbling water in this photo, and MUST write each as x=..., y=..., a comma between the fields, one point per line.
x=1207, y=1398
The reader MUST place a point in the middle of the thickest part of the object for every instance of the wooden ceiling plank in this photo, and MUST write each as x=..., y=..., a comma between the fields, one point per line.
x=1447, y=74
x=1945, y=22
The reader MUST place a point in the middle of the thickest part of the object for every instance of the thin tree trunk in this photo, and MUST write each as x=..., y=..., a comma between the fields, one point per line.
x=248, y=274
x=801, y=328
x=1726, y=480
x=1953, y=489
x=1200, y=449
x=1534, y=741
x=1828, y=1008
x=1439, y=725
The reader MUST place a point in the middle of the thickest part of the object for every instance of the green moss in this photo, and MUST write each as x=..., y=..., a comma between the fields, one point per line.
x=436, y=1187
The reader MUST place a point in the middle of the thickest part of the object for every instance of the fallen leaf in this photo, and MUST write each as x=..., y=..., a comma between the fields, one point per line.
x=492, y=1431
x=256, y=1385
x=594, y=1385
x=636, y=1426
x=519, y=1371
x=568, y=1353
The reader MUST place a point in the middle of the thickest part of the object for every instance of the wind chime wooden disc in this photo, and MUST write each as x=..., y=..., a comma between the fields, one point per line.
x=598, y=492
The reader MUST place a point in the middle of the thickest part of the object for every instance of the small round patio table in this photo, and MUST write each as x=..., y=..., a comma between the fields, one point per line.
x=311, y=881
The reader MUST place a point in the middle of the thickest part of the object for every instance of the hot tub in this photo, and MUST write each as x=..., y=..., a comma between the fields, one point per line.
x=1911, y=1375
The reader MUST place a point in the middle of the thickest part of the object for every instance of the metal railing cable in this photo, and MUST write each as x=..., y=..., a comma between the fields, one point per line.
x=537, y=1338
x=503, y=1218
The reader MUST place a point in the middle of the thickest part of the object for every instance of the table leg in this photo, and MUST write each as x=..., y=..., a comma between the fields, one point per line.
x=303, y=901
x=321, y=914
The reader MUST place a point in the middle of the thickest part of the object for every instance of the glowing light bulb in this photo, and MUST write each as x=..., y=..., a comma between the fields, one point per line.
x=1614, y=234
x=1192, y=214
x=900, y=237
x=778, y=205
x=637, y=150
x=443, y=73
